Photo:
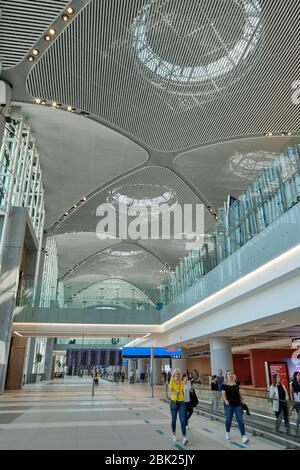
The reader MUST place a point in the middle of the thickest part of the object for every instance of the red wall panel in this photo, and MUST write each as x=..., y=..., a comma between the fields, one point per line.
x=258, y=357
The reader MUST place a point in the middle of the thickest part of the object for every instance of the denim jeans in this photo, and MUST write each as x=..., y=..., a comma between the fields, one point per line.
x=178, y=407
x=297, y=408
x=238, y=412
x=189, y=409
x=283, y=410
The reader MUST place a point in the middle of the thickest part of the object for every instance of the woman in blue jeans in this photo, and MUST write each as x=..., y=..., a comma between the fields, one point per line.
x=233, y=405
x=177, y=405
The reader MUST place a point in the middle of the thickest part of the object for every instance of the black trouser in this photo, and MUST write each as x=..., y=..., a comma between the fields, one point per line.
x=283, y=408
x=189, y=411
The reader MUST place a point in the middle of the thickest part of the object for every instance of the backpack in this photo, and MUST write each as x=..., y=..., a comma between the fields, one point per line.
x=193, y=398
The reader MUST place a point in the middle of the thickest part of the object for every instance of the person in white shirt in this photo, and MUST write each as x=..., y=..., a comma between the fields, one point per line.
x=187, y=387
x=295, y=396
x=280, y=397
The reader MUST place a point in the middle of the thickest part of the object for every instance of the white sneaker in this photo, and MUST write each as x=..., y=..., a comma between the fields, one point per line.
x=245, y=439
x=228, y=436
x=185, y=441
x=174, y=438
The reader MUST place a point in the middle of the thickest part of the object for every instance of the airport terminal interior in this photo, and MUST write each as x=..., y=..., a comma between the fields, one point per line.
x=149, y=225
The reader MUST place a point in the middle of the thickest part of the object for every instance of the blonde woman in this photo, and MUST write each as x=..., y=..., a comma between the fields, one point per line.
x=233, y=405
x=177, y=404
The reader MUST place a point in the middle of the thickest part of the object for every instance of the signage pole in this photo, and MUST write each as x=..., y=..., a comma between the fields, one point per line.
x=151, y=368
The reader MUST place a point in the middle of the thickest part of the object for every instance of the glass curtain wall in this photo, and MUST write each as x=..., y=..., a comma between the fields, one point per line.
x=274, y=192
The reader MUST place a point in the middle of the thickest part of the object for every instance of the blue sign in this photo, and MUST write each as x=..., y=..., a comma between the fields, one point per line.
x=175, y=353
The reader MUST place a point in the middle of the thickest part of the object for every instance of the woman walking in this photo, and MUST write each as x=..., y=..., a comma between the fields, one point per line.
x=233, y=405
x=280, y=397
x=295, y=396
x=187, y=387
x=177, y=405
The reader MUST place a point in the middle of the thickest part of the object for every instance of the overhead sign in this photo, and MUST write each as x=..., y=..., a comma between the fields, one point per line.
x=175, y=353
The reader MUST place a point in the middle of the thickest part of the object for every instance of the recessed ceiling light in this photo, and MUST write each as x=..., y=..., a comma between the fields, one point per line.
x=84, y=199
x=52, y=31
x=35, y=52
x=31, y=58
x=43, y=102
x=58, y=105
x=65, y=18
x=47, y=37
x=38, y=101
x=290, y=133
x=85, y=113
x=70, y=10
x=54, y=104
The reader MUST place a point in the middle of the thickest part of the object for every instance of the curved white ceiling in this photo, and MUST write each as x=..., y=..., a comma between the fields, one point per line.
x=140, y=188
x=227, y=168
x=101, y=63
x=125, y=261
x=77, y=156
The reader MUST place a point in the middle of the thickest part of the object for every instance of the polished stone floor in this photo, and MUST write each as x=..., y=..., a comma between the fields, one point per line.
x=64, y=415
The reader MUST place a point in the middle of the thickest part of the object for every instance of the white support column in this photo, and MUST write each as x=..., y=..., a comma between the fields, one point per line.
x=34, y=185
x=157, y=369
x=29, y=185
x=141, y=369
x=13, y=167
x=23, y=173
x=220, y=354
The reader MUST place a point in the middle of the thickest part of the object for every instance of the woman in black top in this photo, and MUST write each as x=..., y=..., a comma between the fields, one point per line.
x=233, y=405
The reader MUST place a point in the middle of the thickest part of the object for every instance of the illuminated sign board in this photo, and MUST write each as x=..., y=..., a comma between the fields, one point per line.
x=175, y=353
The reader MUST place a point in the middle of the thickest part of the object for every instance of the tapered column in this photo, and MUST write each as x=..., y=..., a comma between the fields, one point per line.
x=141, y=369
x=157, y=377
x=220, y=354
x=49, y=358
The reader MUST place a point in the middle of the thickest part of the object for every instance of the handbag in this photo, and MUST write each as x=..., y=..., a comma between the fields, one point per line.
x=193, y=398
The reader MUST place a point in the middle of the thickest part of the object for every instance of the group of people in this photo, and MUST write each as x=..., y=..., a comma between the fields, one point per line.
x=182, y=401
x=281, y=396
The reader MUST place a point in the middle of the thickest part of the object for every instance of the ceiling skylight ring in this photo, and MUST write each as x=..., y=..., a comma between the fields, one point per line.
x=202, y=73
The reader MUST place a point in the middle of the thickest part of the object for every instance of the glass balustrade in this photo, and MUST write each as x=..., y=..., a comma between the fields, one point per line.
x=261, y=411
x=266, y=200
x=35, y=295
x=272, y=194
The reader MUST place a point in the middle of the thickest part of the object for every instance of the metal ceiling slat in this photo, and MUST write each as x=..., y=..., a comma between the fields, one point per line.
x=21, y=25
x=114, y=85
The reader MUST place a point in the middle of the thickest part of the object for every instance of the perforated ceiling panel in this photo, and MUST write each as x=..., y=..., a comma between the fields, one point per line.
x=178, y=74
x=228, y=168
x=141, y=188
x=124, y=261
x=22, y=22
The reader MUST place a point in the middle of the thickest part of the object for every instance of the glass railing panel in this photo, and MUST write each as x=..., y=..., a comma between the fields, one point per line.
x=260, y=407
x=275, y=191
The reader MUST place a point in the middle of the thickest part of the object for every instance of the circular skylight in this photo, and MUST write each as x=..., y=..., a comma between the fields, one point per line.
x=220, y=36
x=141, y=195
